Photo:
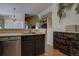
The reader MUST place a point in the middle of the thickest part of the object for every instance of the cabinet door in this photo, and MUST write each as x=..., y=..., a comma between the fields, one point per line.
x=1, y=48
x=39, y=46
x=27, y=47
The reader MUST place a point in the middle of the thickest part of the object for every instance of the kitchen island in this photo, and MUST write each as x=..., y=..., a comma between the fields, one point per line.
x=22, y=44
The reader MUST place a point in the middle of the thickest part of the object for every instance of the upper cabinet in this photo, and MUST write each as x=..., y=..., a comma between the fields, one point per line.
x=47, y=20
x=44, y=22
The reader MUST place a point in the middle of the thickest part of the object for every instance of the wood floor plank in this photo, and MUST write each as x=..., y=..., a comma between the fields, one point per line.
x=53, y=52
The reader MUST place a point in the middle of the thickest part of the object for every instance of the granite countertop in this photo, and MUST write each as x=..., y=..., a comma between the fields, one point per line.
x=18, y=34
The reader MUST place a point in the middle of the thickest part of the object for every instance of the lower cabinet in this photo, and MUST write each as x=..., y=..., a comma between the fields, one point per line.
x=1, y=48
x=29, y=45
x=39, y=46
x=27, y=48
x=33, y=45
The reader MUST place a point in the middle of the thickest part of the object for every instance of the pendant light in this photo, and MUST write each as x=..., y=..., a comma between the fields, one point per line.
x=14, y=17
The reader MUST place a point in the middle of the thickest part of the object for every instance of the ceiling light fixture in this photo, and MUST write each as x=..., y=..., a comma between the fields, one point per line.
x=14, y=17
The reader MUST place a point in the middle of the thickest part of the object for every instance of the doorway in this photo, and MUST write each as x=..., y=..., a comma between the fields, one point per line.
x=49, y=34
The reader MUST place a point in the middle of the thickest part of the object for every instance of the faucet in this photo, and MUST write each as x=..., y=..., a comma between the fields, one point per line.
x=29, y=30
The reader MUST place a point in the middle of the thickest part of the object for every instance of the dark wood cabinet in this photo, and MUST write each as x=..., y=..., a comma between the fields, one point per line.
x=33, y=45
x=28, y=48
x=1, y=48
x=39, y=49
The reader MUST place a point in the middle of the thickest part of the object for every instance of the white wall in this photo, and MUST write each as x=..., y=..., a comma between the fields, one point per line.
x=49, y=30
x=71, y=19
x=19, y=23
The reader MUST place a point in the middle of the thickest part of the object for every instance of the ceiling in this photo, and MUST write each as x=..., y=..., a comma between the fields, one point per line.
x=28, y=8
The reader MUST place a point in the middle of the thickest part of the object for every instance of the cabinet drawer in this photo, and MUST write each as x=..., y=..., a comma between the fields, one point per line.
x=28, y=42
x=9, y=38
x=27, y=38
x=14, y=38
x=3, y=38
x=40, y=37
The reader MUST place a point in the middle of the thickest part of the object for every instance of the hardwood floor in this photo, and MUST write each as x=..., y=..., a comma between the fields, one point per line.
x=53, y=52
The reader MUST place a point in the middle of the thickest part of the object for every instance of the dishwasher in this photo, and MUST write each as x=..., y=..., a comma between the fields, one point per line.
x=11, y=46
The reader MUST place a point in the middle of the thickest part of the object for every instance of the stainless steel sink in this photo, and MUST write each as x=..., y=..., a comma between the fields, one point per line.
x=29, y=33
